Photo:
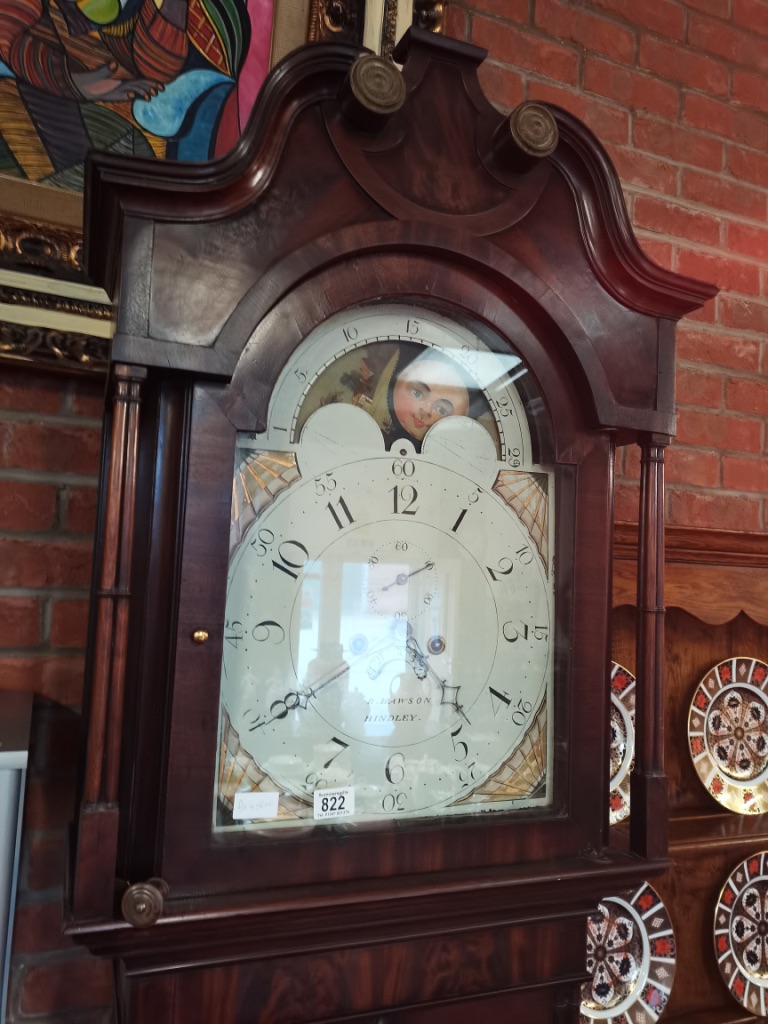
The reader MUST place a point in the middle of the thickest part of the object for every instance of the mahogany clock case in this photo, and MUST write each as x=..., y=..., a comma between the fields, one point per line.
x=222, y=271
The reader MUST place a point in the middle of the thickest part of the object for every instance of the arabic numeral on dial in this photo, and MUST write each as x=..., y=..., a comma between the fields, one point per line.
x=514, y=631
x=468, y=775
x=522, y=711
x=268, y=629
x=286, y=565
x=279, y=709
x=404, y=500
x=394, y=802
x=457, y=524
x=233, y=632
x=472, y=499
x=300, y=375
x=350, y=333
x=394, y=769
x=503, y=406
x=342, y=747
x=263, y=542
x=460, y=748
x=324, y=483
x=513, y=456
x=499, y=701
x=336, y=517
x=524, y=555
x=469, y=355
x=255, y=720
x=412, y=327
x=403, y=467
x=504, y=568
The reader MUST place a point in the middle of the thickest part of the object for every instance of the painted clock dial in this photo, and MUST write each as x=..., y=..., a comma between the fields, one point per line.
x=390, y=608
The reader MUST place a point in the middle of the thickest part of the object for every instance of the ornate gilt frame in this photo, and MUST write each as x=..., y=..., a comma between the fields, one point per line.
x=50, y=315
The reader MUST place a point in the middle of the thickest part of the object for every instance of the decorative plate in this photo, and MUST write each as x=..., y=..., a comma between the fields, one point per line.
x=631, y=958
x=741, y=934
x=622, y=740
x=728, y=734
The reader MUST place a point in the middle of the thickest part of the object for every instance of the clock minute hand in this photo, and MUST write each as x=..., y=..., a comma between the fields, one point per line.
x=403, y=577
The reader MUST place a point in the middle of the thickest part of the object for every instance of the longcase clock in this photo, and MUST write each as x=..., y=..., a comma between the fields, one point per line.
x=348, y=716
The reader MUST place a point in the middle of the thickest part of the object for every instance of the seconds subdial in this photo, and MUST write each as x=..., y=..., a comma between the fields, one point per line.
x=402, y=579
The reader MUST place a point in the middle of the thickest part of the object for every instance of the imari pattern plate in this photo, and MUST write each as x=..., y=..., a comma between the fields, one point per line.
x=728, y=734
x=623, y=685
x=631, y=960
x=741, y=934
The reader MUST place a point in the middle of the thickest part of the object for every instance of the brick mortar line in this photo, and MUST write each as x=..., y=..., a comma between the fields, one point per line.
x=690, y=205
x=50, y=536
x=56, y=593
x=721, y=371
x=715, y=491
x=48, y=476
x=682, y=203
x=70, y=653
x=57, y=653
x=638, y=31
x=703, y=449
x=726, y=256
x=55, y=419
x=531, y=77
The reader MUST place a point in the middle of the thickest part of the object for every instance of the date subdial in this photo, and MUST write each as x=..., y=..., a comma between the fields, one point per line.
x=402, y=580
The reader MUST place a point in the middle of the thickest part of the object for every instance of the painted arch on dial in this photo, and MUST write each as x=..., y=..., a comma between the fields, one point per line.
x=407, y=367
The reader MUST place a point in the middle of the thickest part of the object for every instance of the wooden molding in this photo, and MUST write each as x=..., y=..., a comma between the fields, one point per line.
x=712, y=574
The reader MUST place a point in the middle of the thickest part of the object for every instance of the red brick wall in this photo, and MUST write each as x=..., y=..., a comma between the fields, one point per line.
x=676, y=92
x=50, y=437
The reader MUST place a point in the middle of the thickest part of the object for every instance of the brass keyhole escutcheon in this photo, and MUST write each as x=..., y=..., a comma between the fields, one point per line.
x=200, y=636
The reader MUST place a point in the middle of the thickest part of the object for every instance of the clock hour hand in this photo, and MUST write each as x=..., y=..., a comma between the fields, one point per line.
x=421, y=666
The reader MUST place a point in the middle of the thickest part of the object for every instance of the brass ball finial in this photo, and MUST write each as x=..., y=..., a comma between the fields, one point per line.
x=529, y=135
x=372, y=92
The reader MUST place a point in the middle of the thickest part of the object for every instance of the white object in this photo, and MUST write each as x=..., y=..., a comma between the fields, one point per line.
x=15, y=717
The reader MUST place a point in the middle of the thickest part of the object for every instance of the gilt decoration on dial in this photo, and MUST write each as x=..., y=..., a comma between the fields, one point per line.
x=387, y=649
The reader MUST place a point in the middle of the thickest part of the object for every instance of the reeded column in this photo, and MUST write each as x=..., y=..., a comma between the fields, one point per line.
x=648, y=793
x=93, y=888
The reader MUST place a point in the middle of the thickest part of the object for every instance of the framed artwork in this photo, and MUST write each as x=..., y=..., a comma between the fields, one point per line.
x=128, y=76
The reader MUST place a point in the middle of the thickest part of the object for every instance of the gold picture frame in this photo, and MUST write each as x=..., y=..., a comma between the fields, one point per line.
x=50, y=315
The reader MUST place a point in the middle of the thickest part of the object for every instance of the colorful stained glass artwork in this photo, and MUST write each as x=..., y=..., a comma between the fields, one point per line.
x=631, y=959
x=171, y=80
x=728, y=734
x=741, y=930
